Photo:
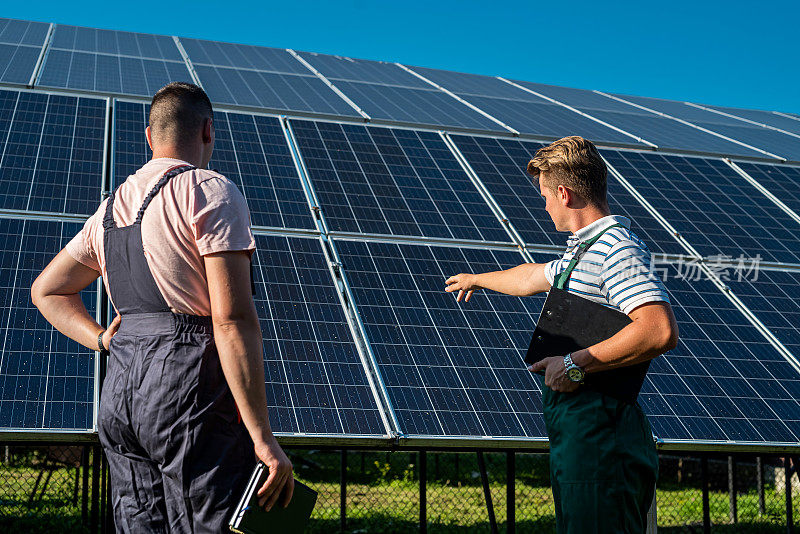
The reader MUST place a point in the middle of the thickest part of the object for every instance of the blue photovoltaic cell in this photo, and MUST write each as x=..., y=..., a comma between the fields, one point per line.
x=450, y=369
x=390, y=181
x=681, y=110
x=475, y=84
x=423, y=106
x=780, y=180
x=711, y=206
x=772, y=297
x=115, y=42
x=52, y=152
x=501, y=164
x=456, y=369
x=362, y=70
x=46, y=379
x=242, y=56
x=763, y=117
x=109, y=73
x=276, y=91
x=250, y=150
x=661, y=131
x=315, y=380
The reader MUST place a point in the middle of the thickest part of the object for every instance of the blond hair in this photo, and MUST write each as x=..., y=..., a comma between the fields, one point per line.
x=574, y=163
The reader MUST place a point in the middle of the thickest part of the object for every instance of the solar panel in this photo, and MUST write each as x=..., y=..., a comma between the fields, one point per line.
x=20, y=45
x=762, y=117
x=275, y=91
x=455, y=370
x=315, y=380
x=664, y=132
x=724, y=381
x=710, y=205
x=362, y=70
x=501, y=164
x=780, y=180
x=250, y=150
x=770, y=295
x=114, y=42
x=242, y=56
x=46, y=379
x=71, y=69
x=52, y=152
x=777, y=143
x=392, y=181
x=421, y=106
x=450, y=370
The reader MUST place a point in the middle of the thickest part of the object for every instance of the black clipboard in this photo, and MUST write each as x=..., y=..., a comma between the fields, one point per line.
x=569, y=322
x=250, y=518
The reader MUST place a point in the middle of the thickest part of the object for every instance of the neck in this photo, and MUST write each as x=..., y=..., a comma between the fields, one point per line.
x=193, y=156
x=586, y=216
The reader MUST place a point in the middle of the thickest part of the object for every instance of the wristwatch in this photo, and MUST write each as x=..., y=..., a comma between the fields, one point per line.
x=100, y=342
x=573, y=372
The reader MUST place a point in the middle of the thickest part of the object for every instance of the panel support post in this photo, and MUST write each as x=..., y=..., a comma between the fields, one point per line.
x=487, y=493
x=423, y=492
x=343, y=492
x=511, y=493
x=760, y=484
x=706, y=507
x=733, y=513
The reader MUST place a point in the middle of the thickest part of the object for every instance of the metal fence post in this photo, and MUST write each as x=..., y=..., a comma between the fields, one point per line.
x=94, y=511
x=733, y=512
x=85, y=484
x=511, y=493
x=343, y=492
x=706, y=507
x=760, y=484
x=423, y=492
x=788, y=471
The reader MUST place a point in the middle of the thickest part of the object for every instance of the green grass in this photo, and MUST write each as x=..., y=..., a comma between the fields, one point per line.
x=383, y=497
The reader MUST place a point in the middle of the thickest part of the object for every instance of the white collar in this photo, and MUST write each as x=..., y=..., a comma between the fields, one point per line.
x=600, y=225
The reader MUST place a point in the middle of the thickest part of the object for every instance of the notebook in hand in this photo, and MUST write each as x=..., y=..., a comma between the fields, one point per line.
x=250, y=518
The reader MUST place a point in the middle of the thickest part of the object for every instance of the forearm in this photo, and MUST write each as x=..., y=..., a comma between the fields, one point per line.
x=518, y=281
x=69, y=316
x=240, y=351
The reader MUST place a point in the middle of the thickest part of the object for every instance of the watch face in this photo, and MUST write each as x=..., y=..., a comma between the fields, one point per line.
x=575, y=374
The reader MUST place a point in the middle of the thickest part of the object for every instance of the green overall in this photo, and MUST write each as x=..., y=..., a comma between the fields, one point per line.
x=603, y=460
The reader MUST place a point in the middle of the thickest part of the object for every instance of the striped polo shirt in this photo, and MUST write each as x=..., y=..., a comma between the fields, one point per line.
x=615, y=271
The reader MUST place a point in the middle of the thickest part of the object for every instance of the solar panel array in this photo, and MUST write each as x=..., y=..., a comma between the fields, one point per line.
x=358, y=226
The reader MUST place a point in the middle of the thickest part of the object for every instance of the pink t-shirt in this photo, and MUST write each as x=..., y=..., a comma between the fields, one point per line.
x=194, y=214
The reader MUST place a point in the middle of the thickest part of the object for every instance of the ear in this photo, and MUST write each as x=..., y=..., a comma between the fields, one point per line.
x=565, y=195
x=149, y=137
x=207, y=131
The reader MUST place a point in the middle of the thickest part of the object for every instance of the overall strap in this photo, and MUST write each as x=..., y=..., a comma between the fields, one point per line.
x=563, y=276
x=108, y=218
x=174, y=171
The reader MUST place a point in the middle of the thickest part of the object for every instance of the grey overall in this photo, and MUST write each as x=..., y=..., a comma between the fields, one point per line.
x=177, y=451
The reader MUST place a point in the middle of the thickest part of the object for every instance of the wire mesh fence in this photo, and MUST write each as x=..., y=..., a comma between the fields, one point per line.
x=60, y=488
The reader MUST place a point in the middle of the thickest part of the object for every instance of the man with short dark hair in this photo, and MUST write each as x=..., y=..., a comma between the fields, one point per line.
x=183, y=405
x=603, y=461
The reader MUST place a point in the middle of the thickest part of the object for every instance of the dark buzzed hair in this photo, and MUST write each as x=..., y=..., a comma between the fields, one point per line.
x=573, y=162
x=178, y=112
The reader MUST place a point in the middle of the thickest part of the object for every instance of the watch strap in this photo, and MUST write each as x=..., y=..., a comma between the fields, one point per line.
x=100, y=345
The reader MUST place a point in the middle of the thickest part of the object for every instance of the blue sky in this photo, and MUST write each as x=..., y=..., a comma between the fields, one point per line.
x=731, y=53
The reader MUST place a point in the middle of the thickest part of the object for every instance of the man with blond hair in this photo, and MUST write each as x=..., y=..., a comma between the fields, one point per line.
x=603, y=461
x=183, y=411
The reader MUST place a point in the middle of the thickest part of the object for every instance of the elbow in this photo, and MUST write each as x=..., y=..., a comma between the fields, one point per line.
x=37, y=293
x=668, y=339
